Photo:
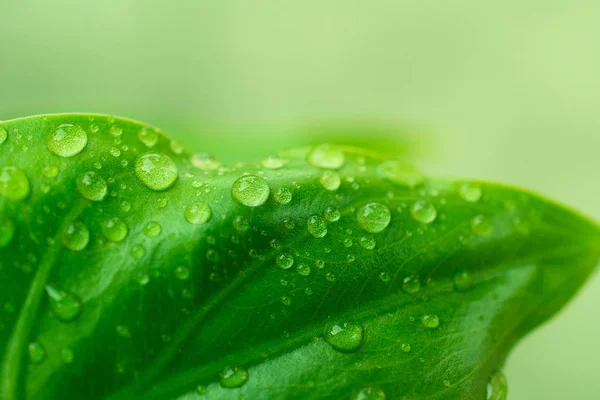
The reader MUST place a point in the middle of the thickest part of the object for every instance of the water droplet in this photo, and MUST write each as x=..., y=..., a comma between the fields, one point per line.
x=497, y=387
x=241, y=224
x=123, y=331
x=430, y=321
x=423, y=212
x=92, y=186
x=326, y=156
x=50, y=171
x=462, y=280
x=345, y=337
x=157, y=171
x=7, y=231
x=320, y=264
x=283, y=196
x=161, y=202
x=66, y=306
x=76, y=237
x=285, y=261
x=137, y=252
x=3, y=134
x=37, y=352
x=368, y=242
x=481, y=226
x=149, y=136
x=400, y=173
x=182, y=273
x=332, y=214
x=201, y=390
x=14, y=185
x=176, y=147
x=141, y=277
x=330, y=276
x=330, y=180
x=67, y=140
x=125, y=206
x=286, y=301
x=152, y=229
x=373, y=217
x=470, y=192
x=273, y=162
x=303, y=269
x=114, y=229
x=198, y=213
x=384, y=276
x=205, y=161
x=66, y=355
x=411, y=284
x=370, y=393
x=233, y=377
x=405, y=347
x=317, y=226
x=250, y=190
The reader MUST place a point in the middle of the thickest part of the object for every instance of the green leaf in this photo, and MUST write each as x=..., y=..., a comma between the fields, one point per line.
x=130, y=269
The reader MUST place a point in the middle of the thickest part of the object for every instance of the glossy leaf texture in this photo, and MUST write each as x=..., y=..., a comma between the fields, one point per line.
x=132, y=269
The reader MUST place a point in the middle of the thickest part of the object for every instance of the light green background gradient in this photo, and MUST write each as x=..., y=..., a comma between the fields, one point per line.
x=507, y=91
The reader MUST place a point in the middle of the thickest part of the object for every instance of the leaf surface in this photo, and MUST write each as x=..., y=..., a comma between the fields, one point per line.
x=131, y=269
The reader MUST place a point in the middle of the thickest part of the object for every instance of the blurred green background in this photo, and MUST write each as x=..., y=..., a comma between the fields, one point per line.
x=505, y=91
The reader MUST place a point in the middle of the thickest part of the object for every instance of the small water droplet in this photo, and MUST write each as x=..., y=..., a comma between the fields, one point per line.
x=283, y=196
x=373, y=217
x=470, y=192
x=370, y=393
x=14, y=184
x=123, y=331
x=125, y=206
x=157, y=171
x=141, y=277
x=326, y=156
x=346, y=337
x=37, y=352
x=66, y=306
x=285, y=261
x=273, y=162
x=7, y=231
x=405, y=347
x=286, y=301
x=400, y=173
x=137, y=252
x=76, y=237
x=198, y=213
x=423, y=212
x=330, y=276
x=176, y=147
x=317, y=226
x=162, y=202
x=115, y=131
x=241, y=223
x=50, y=171
x=368, y=242
x=332, y=214
x=67, y=140
x=303, y=269
x=462, y=280
x=320, y=264
x=384, y=276
x=114, y=229
x=152, y=229
x=201, y=390
x=430, y=321
x=330, y=180
x=205, y=161
x=497, y=387
x=233, y=377
x=481, y=226
x=66, y=355
x=92, y=186
x=411, y=284
x=182, y=273
x=149, y=136
x=250, y=190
